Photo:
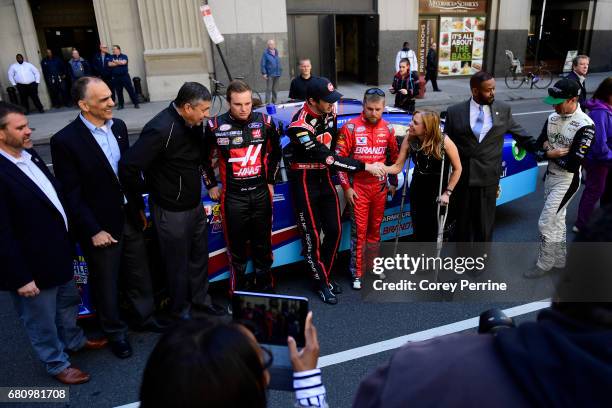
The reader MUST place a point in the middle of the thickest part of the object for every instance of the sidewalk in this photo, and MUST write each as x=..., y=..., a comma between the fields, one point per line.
x=453, y=90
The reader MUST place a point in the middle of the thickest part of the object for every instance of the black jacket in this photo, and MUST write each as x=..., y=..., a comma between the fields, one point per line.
x=34, y=243
x=171, y=156
x=409, y=83
x=432, y=60
x=481, y=162
x=582, y=98
x=93, y=191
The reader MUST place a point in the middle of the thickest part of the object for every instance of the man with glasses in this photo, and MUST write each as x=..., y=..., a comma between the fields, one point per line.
x=370, y=139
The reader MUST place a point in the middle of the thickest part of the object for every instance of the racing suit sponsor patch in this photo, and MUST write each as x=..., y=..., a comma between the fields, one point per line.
x=237, y=140
x=360, y=129
x=329, y=160
x=225, y=127
x=255, y=125
x=223, y=141
x=361, y=140
x=256, y=133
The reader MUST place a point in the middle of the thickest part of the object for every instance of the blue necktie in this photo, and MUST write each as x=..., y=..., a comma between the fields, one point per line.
x=479, y=122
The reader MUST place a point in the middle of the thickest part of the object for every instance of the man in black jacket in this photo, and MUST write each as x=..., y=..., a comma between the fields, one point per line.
x=170, y=152
x=432, y=67
x=36, y=250
x=478, y=127
x=580, y=68
x=85, y=155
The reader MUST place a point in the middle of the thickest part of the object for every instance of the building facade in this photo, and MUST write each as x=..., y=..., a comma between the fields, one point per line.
x=346, y=40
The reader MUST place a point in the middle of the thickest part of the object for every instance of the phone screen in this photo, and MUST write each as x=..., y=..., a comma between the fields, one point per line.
x=272, y=317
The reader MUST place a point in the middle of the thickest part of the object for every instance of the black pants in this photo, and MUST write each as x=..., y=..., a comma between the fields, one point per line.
x=317, y=210
x=29, y=91
x=183, y=242
x=474, y=209
x=124, y=81
x=124, y=262
x=432, y=75
x=247, y=216
x=57, y=91
x=423, y=206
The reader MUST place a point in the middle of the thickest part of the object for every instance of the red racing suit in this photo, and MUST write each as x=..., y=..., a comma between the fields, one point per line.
x=369, y=143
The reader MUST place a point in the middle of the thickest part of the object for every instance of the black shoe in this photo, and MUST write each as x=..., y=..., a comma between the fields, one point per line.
x=437, y=90
x=121, y=348
x=535, y=273
x=212, y=309
x=335, y=287
x=137, y=106
x=326, y=295
x=154, y=325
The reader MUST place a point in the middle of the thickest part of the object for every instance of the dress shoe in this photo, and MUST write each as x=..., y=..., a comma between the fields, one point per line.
x=212, y=309
x=95, y=344
x=535, y=273
x=121, y=348
x=154, y=325
x=137, y=106
x=72, y=376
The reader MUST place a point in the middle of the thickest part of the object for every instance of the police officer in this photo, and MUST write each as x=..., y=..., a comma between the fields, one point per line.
x=118, y=65
x=54, y=71
x=101, y=68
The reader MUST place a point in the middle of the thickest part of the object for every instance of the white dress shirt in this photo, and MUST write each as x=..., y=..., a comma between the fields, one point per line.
x=488, y=120
x=30, y=169
x=25, y=73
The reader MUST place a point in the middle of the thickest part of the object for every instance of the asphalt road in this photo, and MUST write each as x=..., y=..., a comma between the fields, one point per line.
x=350, y=324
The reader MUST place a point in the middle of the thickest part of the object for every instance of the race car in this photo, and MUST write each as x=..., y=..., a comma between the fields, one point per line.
x=519, y=176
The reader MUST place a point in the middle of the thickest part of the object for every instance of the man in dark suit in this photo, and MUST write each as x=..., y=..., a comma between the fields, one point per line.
x=85, y=156
x=477, y=126
x=36, y=252
x=580, y=68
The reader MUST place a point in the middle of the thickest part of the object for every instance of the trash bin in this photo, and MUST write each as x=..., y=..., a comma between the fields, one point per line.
x=138, y=89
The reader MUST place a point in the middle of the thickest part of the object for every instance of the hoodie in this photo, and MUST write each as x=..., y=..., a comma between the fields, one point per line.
x=601, y=147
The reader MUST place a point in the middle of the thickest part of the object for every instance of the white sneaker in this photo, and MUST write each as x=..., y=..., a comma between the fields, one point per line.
x=575, y=229
x=357, y=284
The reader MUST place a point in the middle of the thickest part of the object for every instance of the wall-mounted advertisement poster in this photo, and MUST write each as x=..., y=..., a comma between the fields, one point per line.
x=461, y=45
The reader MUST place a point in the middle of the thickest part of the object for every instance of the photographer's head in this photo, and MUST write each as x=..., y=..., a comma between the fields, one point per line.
x=207, y=364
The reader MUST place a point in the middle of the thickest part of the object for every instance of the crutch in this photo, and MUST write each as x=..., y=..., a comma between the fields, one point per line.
x=401, y=211
x=441, y=218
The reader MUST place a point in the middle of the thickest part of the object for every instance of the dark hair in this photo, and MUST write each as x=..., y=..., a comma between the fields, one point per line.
x=585, y=289
x=7, y=108
x=406, y=44
x=19, y=55
x=604, y=90
x=577, y=59
x=406, y=60
x=117, y=46
x=236, y=86
x=192, y=93
x=478, y=78
x=204, y=364
x=79, y=88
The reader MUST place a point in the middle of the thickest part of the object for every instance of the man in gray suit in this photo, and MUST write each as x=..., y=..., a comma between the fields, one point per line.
x=477, y=126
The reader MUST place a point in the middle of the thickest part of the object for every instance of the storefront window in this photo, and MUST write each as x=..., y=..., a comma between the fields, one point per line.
x=461, y=45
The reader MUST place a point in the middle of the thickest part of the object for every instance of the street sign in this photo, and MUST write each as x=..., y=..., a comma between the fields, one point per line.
x=567, y=67
x=209, y=22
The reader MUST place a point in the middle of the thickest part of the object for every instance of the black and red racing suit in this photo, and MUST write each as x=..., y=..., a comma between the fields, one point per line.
x=249, y=154
x=311, y=159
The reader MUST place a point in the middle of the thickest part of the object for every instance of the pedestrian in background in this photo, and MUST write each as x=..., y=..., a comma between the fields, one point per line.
x=271, y=70
x=79, y=67
x=580, y=68
x=405, y=86
x=26, y=78
x=54, y=71
x=432, y=67
x=120, y=77
x=598, y=161
x=297, y=90
x=101, y=69
x=409, y=54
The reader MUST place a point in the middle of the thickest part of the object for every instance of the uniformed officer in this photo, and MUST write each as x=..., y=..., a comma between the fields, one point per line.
x=118, y=65
x=54, y=71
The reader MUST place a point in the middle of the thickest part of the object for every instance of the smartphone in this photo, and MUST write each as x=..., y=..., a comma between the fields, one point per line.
x=273, y=318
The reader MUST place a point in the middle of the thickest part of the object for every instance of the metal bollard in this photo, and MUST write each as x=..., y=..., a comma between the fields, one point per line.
x=12, y=94
x=138, y=89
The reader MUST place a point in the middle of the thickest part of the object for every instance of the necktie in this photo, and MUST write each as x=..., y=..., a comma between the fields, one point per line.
x=479, y=122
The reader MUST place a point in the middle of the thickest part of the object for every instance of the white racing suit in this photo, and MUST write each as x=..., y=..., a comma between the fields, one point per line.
x=574, y=131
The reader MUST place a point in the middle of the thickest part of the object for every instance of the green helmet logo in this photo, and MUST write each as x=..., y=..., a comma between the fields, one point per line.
x=518, y=152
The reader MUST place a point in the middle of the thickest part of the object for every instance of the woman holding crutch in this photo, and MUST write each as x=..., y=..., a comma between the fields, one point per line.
x=431, y=151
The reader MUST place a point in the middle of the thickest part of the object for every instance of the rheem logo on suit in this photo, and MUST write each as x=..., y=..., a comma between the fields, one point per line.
x=246, y=161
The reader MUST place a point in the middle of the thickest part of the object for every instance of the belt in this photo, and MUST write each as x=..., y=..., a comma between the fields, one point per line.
x=307, y=166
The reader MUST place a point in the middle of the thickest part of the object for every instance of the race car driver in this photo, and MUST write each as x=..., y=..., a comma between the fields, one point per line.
x=566, y=138
x=370, y=139
x=311, y=158
x=247, y=145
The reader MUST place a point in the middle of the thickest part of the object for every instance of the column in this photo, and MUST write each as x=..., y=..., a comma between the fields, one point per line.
x=30, y=42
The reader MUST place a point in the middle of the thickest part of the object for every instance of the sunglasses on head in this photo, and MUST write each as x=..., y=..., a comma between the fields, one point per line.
x=375, y=91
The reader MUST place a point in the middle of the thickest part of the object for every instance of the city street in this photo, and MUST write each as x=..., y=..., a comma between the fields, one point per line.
x=348, y=326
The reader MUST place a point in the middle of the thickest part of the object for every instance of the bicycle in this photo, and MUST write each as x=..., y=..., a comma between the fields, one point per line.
x=219, y=103
x=515, y=77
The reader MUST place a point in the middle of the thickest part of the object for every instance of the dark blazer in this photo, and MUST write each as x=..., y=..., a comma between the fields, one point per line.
x=92, y=189
x=481, y=162
x=582, y=98
x=34, y=243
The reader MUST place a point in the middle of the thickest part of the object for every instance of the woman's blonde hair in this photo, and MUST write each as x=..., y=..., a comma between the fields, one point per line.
x=432, y=143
